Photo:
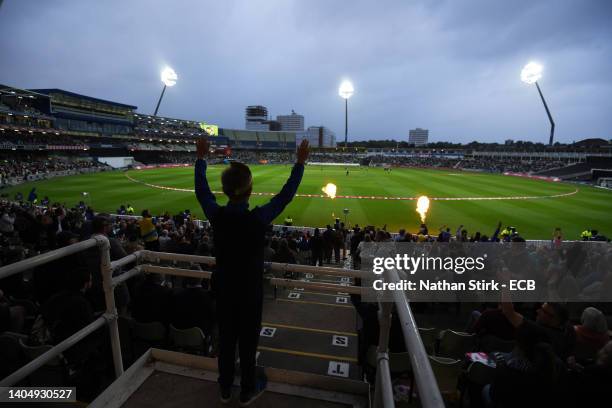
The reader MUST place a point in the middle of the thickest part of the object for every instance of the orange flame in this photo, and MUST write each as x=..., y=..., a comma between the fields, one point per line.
x=422, y=207
x=330, y=190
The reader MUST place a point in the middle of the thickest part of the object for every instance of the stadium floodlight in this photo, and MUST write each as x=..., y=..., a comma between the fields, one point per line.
x=169, y=78
x=531, y=73
x=346, y=90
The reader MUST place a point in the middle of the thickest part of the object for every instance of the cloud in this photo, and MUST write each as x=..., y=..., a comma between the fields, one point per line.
x=449, y=66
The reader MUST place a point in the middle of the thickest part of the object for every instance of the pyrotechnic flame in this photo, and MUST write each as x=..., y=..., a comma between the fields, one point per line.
x=330, y=190
x=422, y=207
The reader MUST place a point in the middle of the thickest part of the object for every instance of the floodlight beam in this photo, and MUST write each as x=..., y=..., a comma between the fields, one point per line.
x=552, y=122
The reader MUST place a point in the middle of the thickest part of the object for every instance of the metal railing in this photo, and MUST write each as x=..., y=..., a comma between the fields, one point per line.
x=429, y=393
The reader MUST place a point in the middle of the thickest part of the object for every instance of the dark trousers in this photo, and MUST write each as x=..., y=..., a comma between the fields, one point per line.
x=239, y=324
x=328, y=254
x=317, y=256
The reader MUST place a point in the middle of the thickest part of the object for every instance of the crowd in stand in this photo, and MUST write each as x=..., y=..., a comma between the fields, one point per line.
x=498, y=165
x=23, y=138
x=32, y=165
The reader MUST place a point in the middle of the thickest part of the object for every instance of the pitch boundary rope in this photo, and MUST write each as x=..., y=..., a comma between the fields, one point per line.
x=366, y=197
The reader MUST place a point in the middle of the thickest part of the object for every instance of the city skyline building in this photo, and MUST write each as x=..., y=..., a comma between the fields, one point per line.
x=418, y=136
x=292, y=123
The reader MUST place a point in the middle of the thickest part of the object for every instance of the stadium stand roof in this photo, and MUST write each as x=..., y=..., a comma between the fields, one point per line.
x=50, y=91
x=592, y=142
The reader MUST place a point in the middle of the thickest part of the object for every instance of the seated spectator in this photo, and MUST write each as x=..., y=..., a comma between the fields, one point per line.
x=152, y=300
x=11, y=316
x=284, y=254
x=50, y=278
x=526, y=377
x=589, y=386
x=491, y=322
x=163, y=241
x=192, y=306
x=550, y=326
x=68, y=311
x=268, y=251
x=591, y=334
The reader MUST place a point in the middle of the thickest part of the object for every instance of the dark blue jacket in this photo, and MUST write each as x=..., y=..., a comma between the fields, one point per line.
x=239, y=234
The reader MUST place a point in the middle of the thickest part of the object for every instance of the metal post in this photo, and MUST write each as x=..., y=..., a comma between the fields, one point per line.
x=383, y=378
x=160, y=99
x=109, y=295
x=552, y=123
x=345, y=122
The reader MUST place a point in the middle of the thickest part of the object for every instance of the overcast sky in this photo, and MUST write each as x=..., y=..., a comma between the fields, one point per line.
x=452, y=67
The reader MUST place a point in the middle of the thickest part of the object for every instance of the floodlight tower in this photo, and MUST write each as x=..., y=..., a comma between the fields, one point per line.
x=530, y=75
x=168, y=77
x=346, y=90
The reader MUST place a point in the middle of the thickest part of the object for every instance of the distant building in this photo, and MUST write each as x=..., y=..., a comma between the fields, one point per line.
x=256, y=118
x=318, y=136
x=291, y=123
x=418, y=136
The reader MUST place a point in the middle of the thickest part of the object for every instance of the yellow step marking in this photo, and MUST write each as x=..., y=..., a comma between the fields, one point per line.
x=307, y=354
x=286, y=326
x=315, y=303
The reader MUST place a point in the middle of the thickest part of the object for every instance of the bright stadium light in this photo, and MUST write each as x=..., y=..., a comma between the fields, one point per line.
x=346, y=90
x=531, y=74
x=169, y=78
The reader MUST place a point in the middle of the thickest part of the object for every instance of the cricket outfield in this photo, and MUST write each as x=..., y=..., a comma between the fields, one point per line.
x=372, y=196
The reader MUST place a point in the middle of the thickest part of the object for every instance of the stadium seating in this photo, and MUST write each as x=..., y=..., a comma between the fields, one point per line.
x=190, y=340
x=454, y=344
x=447, y=372
x=429, y=336
x=53, y=374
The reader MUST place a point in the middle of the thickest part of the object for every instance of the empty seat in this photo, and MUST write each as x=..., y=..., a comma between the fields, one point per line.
x=455, y=344
x=399, y=363
x=429, y=336
x=447, y=371
x=190, y=340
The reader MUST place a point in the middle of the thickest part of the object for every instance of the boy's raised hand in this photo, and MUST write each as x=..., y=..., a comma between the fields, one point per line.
x=202, y=146
x=302, y=152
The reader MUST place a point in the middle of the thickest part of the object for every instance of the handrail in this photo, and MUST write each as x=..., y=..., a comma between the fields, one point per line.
x=109, y=318
x=53, y=352
x=274, y=266
x=42, y=259
x=429, y=393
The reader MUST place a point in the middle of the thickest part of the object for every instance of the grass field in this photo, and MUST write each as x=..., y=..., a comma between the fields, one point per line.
x=534, y=218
